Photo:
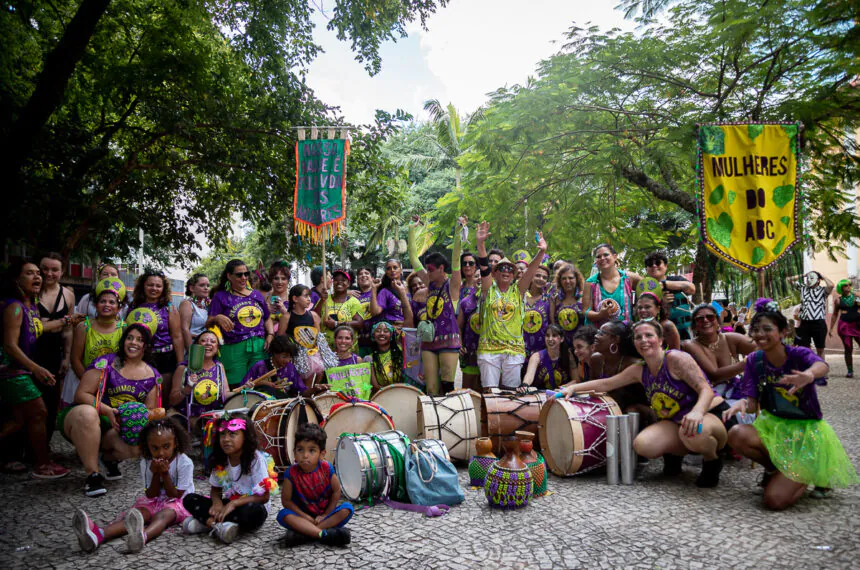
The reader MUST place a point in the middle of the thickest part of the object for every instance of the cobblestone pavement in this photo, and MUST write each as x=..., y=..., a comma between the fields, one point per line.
x=584, y=523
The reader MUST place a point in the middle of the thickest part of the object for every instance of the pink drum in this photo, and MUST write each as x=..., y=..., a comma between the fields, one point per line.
x=573, y=433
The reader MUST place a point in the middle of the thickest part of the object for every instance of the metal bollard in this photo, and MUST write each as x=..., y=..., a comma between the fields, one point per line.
x=612, y=427
x=625, y=444
x=634, y=431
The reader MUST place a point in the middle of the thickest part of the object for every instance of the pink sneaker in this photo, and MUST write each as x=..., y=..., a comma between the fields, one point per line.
x=50, y=470
x=89, y=535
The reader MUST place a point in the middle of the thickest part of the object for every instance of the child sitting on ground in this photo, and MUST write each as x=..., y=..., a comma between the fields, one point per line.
x=168, y=474
x=310, y=492
x=241, y=481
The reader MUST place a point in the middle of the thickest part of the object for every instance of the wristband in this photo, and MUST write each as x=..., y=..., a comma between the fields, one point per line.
x=484, y=261
x=485, y=271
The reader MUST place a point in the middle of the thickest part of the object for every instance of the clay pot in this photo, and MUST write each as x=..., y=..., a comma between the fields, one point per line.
x=481, y=461
x=526, y=451
x=509, y=482
x=484, y=447
x=511, y=458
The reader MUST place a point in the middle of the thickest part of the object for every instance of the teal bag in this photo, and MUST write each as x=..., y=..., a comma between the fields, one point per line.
x=431, y=479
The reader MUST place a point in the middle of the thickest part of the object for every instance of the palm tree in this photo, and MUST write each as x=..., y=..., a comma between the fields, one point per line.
x=449, y=133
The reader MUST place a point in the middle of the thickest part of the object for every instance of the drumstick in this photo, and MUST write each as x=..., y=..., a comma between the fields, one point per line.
x=313, y=380
x=268, y=374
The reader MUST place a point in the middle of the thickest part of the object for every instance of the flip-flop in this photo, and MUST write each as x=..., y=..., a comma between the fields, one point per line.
x=14, y=467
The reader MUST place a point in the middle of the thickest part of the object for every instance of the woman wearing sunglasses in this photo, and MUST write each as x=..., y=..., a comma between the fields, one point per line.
x=609, y=293
x=469, y=320
x=386, y=303
x=440, y=339
x=242, y=314
x=501, y=349
x=717, y=352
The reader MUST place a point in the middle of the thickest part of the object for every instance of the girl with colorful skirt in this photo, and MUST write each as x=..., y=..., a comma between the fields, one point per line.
x=243, y=316
x=789, y=438
x=845, y=309
x=302, y=326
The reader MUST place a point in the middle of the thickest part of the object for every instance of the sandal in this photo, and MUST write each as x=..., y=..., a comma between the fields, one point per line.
x=50, y=470
x=14, y=467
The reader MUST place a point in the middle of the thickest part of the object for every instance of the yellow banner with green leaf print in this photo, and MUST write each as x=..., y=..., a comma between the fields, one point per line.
x=749, y=198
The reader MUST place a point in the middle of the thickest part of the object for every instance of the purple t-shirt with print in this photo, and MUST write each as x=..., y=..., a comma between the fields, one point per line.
x=118, y=389
x=161, y=341
x=249, y=314
x=670, y=397
x=27, y=335
x=287, y=372
x=797, y=358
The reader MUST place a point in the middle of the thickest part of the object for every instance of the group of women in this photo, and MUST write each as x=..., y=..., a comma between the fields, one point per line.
x=491, y=321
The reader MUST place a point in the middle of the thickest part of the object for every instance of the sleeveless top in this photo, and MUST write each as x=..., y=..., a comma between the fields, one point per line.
x=207, y=390
x=49, y=347
x=550, y=374
x=419, y=311
x=161, y=341
x=199, y=316
x=389, y=374
x=471, y=318
x=441, y=312
x=311, y=491
x=569, y=318
x=301, y=330
x=351, y=359
x=623, y=295
x=849, y=310
x=31, y=329
x=670, y=398
x=535, y=323
x=364, y=334
x=502, y=321
x=98, y=344
x=120, y=390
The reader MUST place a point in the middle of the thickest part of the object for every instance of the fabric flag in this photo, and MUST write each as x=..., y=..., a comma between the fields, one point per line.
x=749, y=197
x=413, y=368
x=319, y=203
x=352, y=380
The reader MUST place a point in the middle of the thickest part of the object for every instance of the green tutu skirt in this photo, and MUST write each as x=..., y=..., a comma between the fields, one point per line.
x=806, y=451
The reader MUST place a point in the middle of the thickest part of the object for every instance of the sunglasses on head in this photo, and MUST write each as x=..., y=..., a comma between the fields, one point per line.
x=706, y=317
x=506, y=268
x=469, y=263
x=242, y=274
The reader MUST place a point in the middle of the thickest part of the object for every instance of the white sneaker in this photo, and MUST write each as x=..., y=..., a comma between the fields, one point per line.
x=228, y=532
x=134, y=525
x=193, y=526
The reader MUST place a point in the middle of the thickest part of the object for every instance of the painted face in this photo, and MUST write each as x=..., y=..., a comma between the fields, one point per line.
x=30, y=279
x=51, y=269
x=209, y=342
x=308, y=455
x=604, y=339
x=582, y=350
x=646, y=308
x=162, y=444
x=469, y=265
x=811, y=279
x=153, y=287
x=393, y=270
x=279, y=283
x=552, y=339
x=766, y=334
x=281, y=359
x=343, y=341
x=604, y=258
x=436, y=274
x=646, y=340
x=705, y=321
x=341, y=283
x=107, y=305
x=231, y=441
x=201, y=288
x=107, y=272
x=239, y=277
x=134, y=345
x=657, y=270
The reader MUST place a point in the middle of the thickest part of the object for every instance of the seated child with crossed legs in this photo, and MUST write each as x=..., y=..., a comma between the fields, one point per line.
x=310, y=492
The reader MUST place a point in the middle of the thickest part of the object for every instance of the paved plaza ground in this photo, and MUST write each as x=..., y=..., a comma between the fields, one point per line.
x=584, y=523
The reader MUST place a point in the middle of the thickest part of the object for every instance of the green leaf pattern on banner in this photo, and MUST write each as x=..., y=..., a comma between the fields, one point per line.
x=779, y=246
x=712, y=139
x=717, y=194
x=757, y=255
x=782, y=195
x=754, y=130
x=721, y=229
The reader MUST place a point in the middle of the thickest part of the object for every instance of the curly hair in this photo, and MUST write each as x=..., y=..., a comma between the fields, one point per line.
x=147, y=343
x=140, y=290
x=580, y=280
x=311, y=432
x=249, y=446
x=180, y=436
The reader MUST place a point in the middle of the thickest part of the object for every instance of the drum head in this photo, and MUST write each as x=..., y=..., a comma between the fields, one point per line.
x=325, y=401
x=451, y=419
x=436, y=446
x=245, y=401
x=359, y=466
x=400, y=400
x=301, y=411
x=353, y=418
x=266, y=417
x=561, y=435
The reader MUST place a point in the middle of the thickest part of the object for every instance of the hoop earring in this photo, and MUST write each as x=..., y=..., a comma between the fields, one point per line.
x=613, y=348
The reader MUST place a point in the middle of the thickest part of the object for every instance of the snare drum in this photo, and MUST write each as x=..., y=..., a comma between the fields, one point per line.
x=507, y=412
x=354, y=417
x=573, y=433
x=325, y=401
x=400, y=400
x=435, y=446
x=361, y=466
x=454, y=419
x=244, y=401
x=277, y=421
x=395, y=443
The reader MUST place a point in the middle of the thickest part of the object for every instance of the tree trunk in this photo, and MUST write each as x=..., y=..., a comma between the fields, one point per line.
x=51, y=86
x=704, y=292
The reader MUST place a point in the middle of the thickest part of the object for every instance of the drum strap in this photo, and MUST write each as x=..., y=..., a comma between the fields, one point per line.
x=432, y=511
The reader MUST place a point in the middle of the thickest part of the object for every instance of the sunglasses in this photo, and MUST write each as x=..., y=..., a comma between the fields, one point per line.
x=654, y=264
x=702, y=318
x=244, y=274
x=469, y=263
x=506, y=269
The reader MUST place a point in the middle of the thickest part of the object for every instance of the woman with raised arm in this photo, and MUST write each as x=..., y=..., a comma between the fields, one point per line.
x=501, y=349
x=538, y=311
x=688, y=409
x=608, y=294
x=469, y=320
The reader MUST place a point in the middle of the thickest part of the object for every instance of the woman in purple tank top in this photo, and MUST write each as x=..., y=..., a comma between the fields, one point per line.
x=440, y=354
x=688, y=409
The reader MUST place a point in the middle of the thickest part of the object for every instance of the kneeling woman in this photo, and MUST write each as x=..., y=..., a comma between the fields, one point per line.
x=686, y=405
x=796, y=447
x=119, y=378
